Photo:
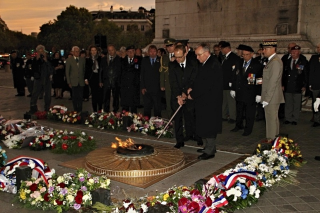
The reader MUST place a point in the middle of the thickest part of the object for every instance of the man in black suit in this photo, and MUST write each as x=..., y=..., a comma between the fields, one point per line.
x=246, y=88
x=150, y=82
x=110, y=78
x=314, y=82
x=182, y=74
x=207, y=92
x=228, y=67
x=130, y=81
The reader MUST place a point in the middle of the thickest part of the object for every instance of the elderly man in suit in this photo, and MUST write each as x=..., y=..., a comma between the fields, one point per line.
x=207, y=92
x=246, y=88
x=75, y=70
x=271, y=94
x=150, y=82
x=110, y=77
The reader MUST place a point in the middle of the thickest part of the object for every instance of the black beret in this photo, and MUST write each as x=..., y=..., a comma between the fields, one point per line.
x=130, y=47
x=240, y=47
x=296, y=47
x=225, y=44
x=247, y=48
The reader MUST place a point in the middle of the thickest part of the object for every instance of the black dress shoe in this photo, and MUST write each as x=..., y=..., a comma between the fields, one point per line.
x=19, y=94
x=200, y=150
x=317, y=157
x=231, y=121
x=294, y=123
x=178, y=145
x=200, y=142
x=245, y=134
x=29, y=95
x=205, y=156
x=315, y=124
x=286, y=122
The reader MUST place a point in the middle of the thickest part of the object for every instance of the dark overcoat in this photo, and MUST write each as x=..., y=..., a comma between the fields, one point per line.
x=17, y=72
x=207, y=94
x=130, y=82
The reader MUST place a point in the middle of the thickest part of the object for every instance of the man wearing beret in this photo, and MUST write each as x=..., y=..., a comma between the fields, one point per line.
x=247, y=88
x=294, y=81
x=164, y=72
x=228, y=67
x=130, y=80
x=271, y=94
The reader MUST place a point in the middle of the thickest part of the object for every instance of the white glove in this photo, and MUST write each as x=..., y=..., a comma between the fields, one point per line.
x=50, y=77
x=264, y=104
x=32, y=78
x=233, y=93
x=316, y=105
x=230, y=84
x=258, y=98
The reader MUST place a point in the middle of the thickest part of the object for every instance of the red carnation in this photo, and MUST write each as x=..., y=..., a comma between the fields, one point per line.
x=79, y=144
x=41, y=143
x=208, y=202
x=59, y=203
x=33, y=187
x=30, y=144
x=79, y=193
x=195, y=192
x=78, y=199
x=46, y=197
x=111, y=121
x=51, y=136
x=53, y=146
x=183, y=201
x=79, y=118
x=64, y=146
x=73, y=137
x=171, y=192
x=135, y=60
x=194, y=206
x=61, y=185
x=89, y=138
x=146, y=118
x=65, y=137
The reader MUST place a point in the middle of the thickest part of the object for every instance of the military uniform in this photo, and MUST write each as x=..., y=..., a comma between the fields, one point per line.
x=18, y=74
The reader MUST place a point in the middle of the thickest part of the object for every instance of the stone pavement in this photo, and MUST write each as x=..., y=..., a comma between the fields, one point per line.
x=302, y=198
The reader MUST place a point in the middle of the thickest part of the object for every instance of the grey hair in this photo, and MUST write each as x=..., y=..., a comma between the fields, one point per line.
x=205, y=47
x=40, y=46
x=74, y=47
x=122, y=48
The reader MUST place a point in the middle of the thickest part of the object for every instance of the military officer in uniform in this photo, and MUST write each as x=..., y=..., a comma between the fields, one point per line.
x=29, y=74
x=17, y=73
x=164, y=72
x=246, y=87
x=294, y=81
x=271, y=94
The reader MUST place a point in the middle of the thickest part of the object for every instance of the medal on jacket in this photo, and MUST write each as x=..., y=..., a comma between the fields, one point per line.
x=251, y=78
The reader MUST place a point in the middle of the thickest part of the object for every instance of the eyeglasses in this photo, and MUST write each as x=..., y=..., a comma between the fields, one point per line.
x=179, y=56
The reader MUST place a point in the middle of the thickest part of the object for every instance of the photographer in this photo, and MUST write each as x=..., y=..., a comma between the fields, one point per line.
x=43, y=71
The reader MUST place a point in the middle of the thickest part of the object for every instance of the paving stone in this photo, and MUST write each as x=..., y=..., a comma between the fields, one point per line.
x=286, y=208
x=309, y=199
x=302, y=207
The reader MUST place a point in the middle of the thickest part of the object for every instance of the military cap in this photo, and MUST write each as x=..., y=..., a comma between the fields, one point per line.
x=130, y=47
x=247, y=48
x=169, y=41
x=241, y=46
x=225, y=44
x=296, y=47
x=183, y=41
x=269, y=43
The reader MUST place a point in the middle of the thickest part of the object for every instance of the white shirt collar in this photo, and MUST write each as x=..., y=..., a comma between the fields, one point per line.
x=206, y=60
x=228, y=54
x=271, y=56
x=184, y=63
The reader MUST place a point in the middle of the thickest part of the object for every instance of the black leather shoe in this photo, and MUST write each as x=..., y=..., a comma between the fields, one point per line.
x=200, y=150
x=315, y=124
x=294, y=123
x=200, y=142
x=317, y=157
x=231, y=121
x=245, y=134
x=286, y=122
x=205, y=156
x=178, y=145
x=29, y=95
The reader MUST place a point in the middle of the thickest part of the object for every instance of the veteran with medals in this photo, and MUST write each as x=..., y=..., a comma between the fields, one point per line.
x=246, y=89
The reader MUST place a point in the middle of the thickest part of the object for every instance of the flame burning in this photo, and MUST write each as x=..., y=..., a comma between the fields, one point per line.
x=127, y=144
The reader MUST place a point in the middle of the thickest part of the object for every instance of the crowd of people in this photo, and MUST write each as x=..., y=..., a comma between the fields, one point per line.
x=201, y=89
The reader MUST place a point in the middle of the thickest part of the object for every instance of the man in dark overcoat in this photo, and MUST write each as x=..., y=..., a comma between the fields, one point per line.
x=246, y=88
x=18, y=73
x=207, y=92
x=182, y=75
x=110, y=76
x=130, y=80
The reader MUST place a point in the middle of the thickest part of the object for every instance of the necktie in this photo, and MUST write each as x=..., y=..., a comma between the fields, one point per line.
x=111, y=58
x=77, y=59
x=130, y=60
x=182, y=66
x=293, y=64
x=152, y=62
